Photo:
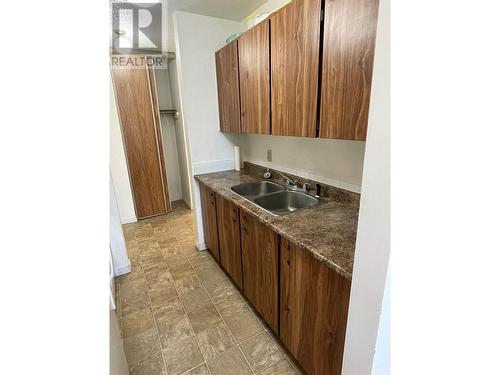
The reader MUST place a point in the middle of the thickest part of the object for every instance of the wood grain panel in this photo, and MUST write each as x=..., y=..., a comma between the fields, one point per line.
x=209, y=213
x=255, y=91
x=314, y=306
x=259, y=251
x=295, y=39
x=348, y=50
x=228, y=224
x=146, y=171
x=226, y=63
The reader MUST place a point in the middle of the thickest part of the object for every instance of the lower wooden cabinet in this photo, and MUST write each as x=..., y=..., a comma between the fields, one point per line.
x=314, y=307
x=304, y=301
x=228, y=223
x=209, y=214
x=259, y=248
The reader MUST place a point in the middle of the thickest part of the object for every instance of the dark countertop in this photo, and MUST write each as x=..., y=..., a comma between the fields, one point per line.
x=327, y=231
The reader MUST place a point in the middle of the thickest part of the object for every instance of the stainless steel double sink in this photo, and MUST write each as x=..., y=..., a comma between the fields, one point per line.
x=275, y=198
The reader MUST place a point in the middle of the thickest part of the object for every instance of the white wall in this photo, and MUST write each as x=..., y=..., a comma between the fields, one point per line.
x=118, y=164
x=169, y=136
x=373, y=237
x=170, y=154
x=382, y=357
x=271, y=6
x=334, y=162
x=163, y=86
x=180, y=134
x=119, y=255
x=197, y=38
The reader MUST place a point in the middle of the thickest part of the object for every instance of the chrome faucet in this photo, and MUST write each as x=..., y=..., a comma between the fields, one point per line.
x=289, y=182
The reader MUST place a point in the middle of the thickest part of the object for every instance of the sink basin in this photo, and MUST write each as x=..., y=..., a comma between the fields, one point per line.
x=251, y=190
x=284, y=202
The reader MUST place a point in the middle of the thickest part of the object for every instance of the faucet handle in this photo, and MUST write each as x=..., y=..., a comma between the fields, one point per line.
x=305, y=185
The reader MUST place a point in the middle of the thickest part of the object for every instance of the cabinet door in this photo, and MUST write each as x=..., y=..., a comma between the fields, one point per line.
x=209, y=213
x=314, y=306
x=136, y=101
x=295, y=36
x=259, y=248
x=253, y=50
x=348, y=49
x=228, y=220
x=226, y=62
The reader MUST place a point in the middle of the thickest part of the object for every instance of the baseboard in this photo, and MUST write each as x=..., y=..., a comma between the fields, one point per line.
x=123, y=269
x=212, y=166
x=127, y=220
x=201, y=246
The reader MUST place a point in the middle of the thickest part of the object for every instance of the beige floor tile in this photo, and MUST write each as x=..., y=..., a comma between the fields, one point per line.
x=134, y=303
x=158, y=276
x=182, y=356
x=141, y=346
x=214, y=340
x=200, y=370
x=171, y=309
x=151, y=250
x=173, y=330
x=261, y=351
x=137, y=323
x=135, y=261
x=282, y=367
x=151, y=366
x=231, y=305
x=135, y=276
x=210, y=274
x=166, y=240
x=201, y=258
x=180, y=271
x=147, y=241
x=165, y=262
x=162, y=294
x=244, y=325
x=195, y=299
x=229, y=362
x=204, y=318
x=130, y=288
x=219, y=291
x=188, y=283
x=151, y=259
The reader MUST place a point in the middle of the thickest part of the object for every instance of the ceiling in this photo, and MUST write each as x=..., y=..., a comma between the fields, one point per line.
x=235, y=10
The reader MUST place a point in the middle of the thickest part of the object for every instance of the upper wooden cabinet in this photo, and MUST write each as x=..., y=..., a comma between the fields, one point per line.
x=253, y=49
x=295, y=39
x=274, y=71
x=228, y=224
x=348, y=50
x=314, y=307
x=226, y=63
x=259, y=251
x=209, y=214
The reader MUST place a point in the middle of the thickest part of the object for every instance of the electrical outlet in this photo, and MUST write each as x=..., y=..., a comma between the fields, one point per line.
x=269, y=155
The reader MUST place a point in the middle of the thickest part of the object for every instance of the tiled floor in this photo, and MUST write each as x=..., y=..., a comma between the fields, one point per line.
x=179, y=312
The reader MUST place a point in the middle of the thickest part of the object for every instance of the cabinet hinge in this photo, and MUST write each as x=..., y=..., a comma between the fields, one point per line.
x=322, y=15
